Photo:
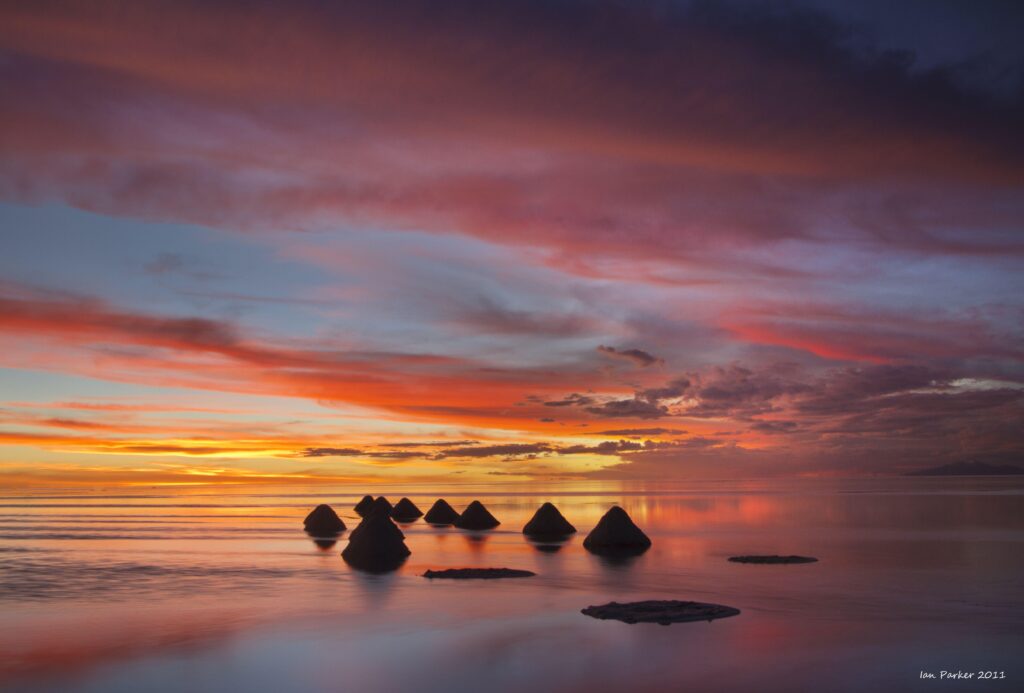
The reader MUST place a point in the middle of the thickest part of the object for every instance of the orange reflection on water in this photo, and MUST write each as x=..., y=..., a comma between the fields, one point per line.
x=118, y=579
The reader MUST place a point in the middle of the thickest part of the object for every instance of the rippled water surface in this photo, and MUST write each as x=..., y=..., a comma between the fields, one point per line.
x=211, y=589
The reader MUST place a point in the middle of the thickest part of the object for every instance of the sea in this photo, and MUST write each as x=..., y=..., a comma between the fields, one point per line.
x=218, y=588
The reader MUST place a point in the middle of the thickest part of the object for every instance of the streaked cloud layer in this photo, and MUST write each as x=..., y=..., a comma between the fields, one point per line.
x=626, y=240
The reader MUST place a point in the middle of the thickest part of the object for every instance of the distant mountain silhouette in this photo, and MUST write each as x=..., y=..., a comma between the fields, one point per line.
x=969, y=469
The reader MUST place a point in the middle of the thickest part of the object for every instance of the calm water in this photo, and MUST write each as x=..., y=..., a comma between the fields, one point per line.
x=210, y=589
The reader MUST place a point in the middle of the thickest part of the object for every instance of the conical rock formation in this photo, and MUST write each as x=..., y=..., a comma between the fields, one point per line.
x=380, y=505
x=363, y=506
x=616, y=533
x=476, y=516
x=323, y=521
x=405, y=511
x=548, y=522
x=360, y=528
x=441, y=513
x=376, y=545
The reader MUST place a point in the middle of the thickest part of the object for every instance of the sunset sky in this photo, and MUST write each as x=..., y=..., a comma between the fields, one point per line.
x=480, y=241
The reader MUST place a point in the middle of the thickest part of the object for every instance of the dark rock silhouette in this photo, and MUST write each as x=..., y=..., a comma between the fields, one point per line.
x=405, y=511
x=661, y=612
x=360, y=528
x=381, y=505
x=477, y=573
x=548, y=522
x=615, y=533
x=376, y=545
x=773, y=560
x=970, y=469
x=363, y=506
x=476, y=516
x=441, y=513
x=323, y=521
x=325, y=544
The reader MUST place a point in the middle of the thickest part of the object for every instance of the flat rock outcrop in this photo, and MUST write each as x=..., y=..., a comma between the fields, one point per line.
x=773, y=559
x=615, y=533
x=663, y=612
x=405, y=511
x=476, y=516
x=548, y=523
x=323, y=521
x=477, y=573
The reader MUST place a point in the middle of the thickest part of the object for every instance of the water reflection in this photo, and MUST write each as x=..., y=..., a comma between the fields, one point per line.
x=620, y=560
x=919, y=558
x=548, y=545
x=376, y=588
x=476, y=541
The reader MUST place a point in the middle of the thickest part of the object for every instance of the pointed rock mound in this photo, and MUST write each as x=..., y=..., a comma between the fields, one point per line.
x=381, y=505
x=376, y=545
x=476, y=516
x=363, y=506
x=547, y=522
x=323, y=521
x=441, y=513
x=615, y=533
x=361, y=527
x=405, y=511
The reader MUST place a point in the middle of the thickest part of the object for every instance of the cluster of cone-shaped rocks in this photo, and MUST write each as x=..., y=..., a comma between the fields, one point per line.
x=377, y=544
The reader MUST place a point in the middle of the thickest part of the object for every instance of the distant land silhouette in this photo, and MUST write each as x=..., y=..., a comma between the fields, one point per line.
x=969, y=469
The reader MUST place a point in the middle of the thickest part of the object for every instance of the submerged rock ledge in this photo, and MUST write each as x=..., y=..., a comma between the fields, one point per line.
x=773, y=560
x=661, y=612
x=477, y=573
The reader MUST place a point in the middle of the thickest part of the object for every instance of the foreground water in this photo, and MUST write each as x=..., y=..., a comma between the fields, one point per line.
x=207, y=589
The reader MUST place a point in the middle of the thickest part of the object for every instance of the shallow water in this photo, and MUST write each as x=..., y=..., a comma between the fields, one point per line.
x=208, y=589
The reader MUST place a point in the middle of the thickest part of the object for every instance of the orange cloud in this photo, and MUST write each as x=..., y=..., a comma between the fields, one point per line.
x=213, y=355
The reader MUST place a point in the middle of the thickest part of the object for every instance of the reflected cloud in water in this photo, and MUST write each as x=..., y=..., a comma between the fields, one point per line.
x=117, y=613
